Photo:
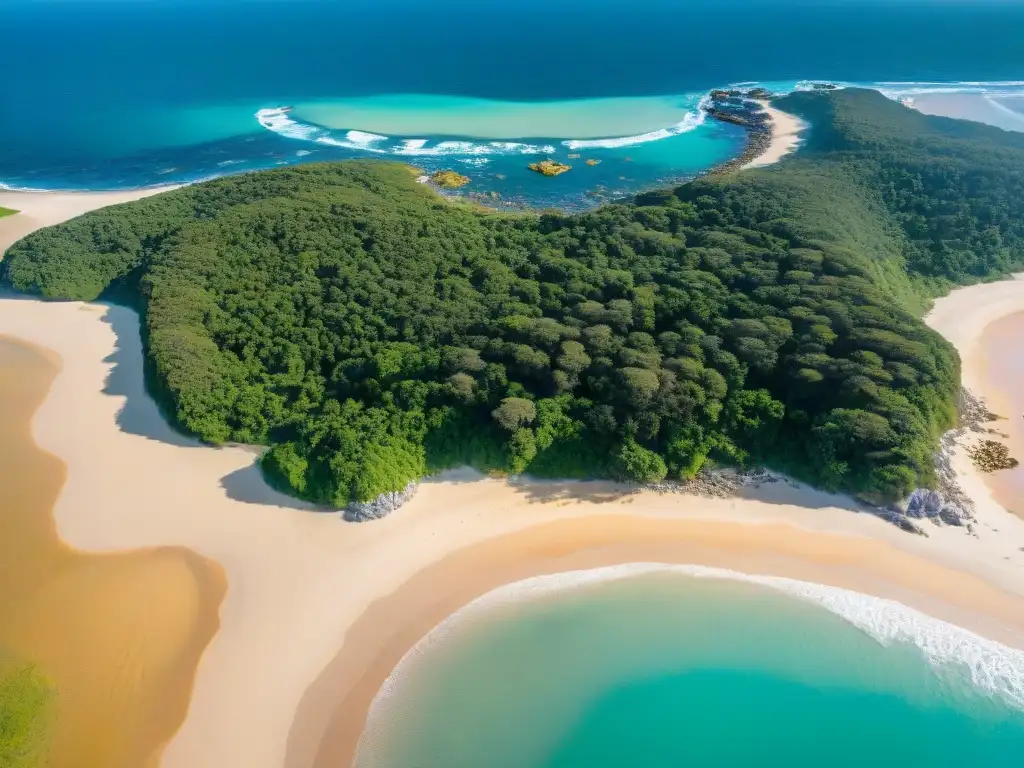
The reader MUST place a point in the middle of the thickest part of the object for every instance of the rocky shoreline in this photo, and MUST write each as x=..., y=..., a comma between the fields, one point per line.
x=743, y=108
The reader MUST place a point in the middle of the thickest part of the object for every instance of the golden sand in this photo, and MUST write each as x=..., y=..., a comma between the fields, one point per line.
x=1000, y=358
x=390, y=627
x=120, y=635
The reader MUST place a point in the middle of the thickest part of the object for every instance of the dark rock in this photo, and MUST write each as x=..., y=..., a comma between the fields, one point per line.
x=382, y=506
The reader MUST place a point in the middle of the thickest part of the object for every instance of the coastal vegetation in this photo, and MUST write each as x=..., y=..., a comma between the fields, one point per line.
x=992, y=456
x=26, y=713
x=371, y=332
x=449, y=179
x=6, y=212
x=549, y=167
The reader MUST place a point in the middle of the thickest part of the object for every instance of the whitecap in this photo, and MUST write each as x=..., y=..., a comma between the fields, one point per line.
x=692, y=121
x=1004, y=109
x=993, y=667
x=363, y=137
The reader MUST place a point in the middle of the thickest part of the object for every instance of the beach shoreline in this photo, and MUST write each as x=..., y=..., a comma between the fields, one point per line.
x=962, y=317
x=307, y=592
x=35, y=209
x=293, y=573
x=786, y=136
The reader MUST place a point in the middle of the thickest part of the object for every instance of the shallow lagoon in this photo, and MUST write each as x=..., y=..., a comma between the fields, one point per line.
x=666, y=670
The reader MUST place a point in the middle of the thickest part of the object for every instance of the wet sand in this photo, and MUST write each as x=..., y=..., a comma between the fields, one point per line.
x=119, y=636
x=390, y=627
x=1001, y=359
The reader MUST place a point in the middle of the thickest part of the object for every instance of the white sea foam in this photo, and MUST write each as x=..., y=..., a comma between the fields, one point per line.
x=1004, y=109
x=280, y=121
x=992, y=666
x=226, y=163
x=688, y=123
x=362, y=137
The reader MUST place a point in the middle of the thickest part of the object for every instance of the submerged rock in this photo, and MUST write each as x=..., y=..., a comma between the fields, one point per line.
x=382, y=506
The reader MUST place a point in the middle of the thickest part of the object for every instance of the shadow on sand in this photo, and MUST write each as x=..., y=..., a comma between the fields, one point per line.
x=140, y=415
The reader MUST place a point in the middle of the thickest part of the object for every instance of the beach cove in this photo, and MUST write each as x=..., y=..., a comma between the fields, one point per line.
x=360, y=596
x=320, y=612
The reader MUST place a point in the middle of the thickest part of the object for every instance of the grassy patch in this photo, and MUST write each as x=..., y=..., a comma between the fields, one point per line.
x=6, y=212
x=26, y=715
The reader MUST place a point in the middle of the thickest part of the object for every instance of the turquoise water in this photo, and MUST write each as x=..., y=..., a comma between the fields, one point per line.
x=111, y=94
x=669, y=670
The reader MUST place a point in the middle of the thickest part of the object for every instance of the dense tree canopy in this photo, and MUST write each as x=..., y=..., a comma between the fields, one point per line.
x=370, y=331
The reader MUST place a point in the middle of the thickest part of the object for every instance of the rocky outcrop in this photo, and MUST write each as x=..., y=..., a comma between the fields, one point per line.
x=549, y=167
x=449, y=179
x=382, y=506
x=742, y=108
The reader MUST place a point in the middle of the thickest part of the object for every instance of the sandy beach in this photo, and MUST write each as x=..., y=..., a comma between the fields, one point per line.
x=963, y=317
x=318, y=611
x=786, y=130
x=38, y=209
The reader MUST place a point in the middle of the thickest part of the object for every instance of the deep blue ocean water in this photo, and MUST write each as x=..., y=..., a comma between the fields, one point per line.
x=125, y=93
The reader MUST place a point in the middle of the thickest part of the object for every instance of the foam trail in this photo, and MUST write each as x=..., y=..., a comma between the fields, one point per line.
x=1005, y=109
x=992, y=666
x=689, y=123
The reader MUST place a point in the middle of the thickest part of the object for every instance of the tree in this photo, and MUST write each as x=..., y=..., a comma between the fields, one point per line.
x=514, y=412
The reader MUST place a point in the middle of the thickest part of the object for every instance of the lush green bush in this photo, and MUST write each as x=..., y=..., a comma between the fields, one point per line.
x=371, y=331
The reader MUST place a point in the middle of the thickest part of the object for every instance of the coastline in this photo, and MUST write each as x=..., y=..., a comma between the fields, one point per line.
x=36, y=209
x=293, y=574
x=785, y=138
x=962, y=318
x=765, y=147
x=312, y=592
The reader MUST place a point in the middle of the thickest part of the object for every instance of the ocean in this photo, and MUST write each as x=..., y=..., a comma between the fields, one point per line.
x=109, y=94
x=664, y=669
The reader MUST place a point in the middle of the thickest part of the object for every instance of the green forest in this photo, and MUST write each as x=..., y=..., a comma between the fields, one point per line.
x=371, y=331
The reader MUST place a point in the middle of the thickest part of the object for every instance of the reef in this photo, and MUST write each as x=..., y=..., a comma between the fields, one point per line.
x=549, y=167
x=593, y=162
x=449, y=179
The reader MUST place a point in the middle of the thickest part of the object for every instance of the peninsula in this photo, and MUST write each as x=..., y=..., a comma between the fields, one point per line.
x=739, y=319
x=825, y=240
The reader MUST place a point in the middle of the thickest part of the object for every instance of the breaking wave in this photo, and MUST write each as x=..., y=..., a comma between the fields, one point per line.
x=279, y=121
x=992, y=667
x=687, y=124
